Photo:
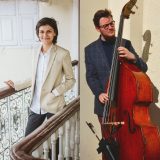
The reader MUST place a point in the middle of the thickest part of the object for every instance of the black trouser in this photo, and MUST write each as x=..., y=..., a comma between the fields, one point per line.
x=35, y=120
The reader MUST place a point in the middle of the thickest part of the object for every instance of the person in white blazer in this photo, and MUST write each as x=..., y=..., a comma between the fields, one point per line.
x=51, y=64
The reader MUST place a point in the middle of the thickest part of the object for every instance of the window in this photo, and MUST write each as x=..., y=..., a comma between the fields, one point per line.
x=17, y=22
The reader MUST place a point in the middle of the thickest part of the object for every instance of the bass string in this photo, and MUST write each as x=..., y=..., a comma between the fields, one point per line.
x=113, y=75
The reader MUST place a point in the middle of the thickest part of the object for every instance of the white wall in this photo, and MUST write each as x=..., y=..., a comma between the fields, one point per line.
x=15, y=64
x=88, y=142
x=150, y=22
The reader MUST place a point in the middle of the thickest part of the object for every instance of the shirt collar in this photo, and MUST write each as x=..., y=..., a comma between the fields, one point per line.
x=109, y=41
x=48, y=51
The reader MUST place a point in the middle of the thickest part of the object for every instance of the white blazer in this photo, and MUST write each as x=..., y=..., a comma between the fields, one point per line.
x=59, y=66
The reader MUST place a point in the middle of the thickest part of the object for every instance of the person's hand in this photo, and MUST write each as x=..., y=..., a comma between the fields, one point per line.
x=125, y=53
x=10, y=83
x=103, y=97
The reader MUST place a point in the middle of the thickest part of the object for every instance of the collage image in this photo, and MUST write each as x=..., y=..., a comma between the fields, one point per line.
x=79, y=80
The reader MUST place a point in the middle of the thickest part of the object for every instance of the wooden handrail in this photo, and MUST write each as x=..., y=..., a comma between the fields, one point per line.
x=23, y=149
x=7, y=91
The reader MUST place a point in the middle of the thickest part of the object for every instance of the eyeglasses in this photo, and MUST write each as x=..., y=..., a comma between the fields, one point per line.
x=105, y=26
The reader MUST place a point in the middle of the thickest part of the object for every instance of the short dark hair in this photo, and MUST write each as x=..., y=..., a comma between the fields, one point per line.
x=99, y=14
x=48, y=21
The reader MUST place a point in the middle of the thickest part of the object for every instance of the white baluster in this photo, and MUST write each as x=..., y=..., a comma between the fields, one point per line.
x=67, y=140
x=53, y=145
x=77, y=138
x=36, y=153
x=60, y=132
x=72, y=136
x=45, y=149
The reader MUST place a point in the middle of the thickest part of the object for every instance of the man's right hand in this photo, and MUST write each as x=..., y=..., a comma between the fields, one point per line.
x=103, y=97
x=10, y=83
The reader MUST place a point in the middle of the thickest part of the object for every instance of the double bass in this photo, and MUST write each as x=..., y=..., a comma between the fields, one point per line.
x=130, y=92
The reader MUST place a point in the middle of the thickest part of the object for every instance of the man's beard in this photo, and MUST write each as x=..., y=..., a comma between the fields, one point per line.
x=108, y=37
